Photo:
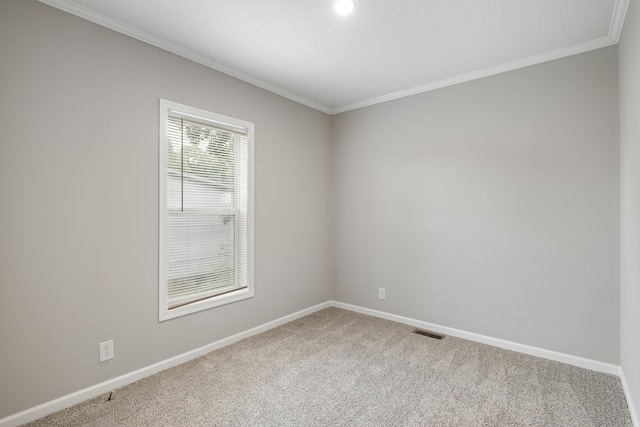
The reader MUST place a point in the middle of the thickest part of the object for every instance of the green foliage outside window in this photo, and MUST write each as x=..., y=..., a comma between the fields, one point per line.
x=202, y=151
x=205, y=154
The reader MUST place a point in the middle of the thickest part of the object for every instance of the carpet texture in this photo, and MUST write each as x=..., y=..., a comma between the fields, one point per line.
x=339, y=368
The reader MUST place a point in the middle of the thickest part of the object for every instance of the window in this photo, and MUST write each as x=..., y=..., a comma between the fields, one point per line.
x=205, y=210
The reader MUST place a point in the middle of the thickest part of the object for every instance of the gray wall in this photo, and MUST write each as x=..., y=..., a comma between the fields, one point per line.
x=630, y=201
x=490, y=206
x=79, y=215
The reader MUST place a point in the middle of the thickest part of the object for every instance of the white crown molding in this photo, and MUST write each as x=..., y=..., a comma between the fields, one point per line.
x=617, y=19
x=474, y=75
x=128, y=30
x=615, y=29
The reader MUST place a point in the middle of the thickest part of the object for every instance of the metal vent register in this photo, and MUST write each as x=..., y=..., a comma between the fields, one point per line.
x=428, y=334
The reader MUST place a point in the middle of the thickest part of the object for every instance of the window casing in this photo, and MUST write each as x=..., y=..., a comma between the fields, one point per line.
x=206, y=200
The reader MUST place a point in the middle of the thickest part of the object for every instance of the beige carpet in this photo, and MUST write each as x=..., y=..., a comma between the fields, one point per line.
x=338, y=368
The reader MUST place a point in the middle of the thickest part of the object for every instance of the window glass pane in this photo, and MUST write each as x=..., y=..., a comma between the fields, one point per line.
x=206, y=210
x=201, y=252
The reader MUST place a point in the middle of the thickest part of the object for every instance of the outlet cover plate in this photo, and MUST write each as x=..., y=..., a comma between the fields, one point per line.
x=106, y=351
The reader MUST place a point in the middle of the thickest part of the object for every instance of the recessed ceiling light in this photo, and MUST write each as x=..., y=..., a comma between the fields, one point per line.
x=344, y=7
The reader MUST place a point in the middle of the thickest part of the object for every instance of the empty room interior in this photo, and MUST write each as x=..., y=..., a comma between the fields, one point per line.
x=467, y=168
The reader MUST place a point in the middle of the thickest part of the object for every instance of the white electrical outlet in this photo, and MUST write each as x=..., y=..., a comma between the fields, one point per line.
x=106, y=351
x=381, y=293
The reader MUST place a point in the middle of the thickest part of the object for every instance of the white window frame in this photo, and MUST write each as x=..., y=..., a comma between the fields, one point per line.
x=167, y=108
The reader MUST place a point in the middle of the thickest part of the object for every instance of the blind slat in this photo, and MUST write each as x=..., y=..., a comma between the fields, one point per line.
x=206, y=209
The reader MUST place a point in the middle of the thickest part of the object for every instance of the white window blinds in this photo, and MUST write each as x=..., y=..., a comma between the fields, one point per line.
x=206, y=208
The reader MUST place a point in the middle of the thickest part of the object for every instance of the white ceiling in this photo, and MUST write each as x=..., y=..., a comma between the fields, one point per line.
x=384, y=50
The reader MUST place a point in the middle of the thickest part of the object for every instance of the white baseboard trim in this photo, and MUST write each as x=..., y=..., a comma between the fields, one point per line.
x=483, y=339
x=627, y=394
x=104, y=387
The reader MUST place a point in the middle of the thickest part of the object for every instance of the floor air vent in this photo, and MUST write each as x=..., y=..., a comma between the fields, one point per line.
x=428, y=334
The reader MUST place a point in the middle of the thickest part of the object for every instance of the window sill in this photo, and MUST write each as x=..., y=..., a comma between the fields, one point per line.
x=216, y=301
